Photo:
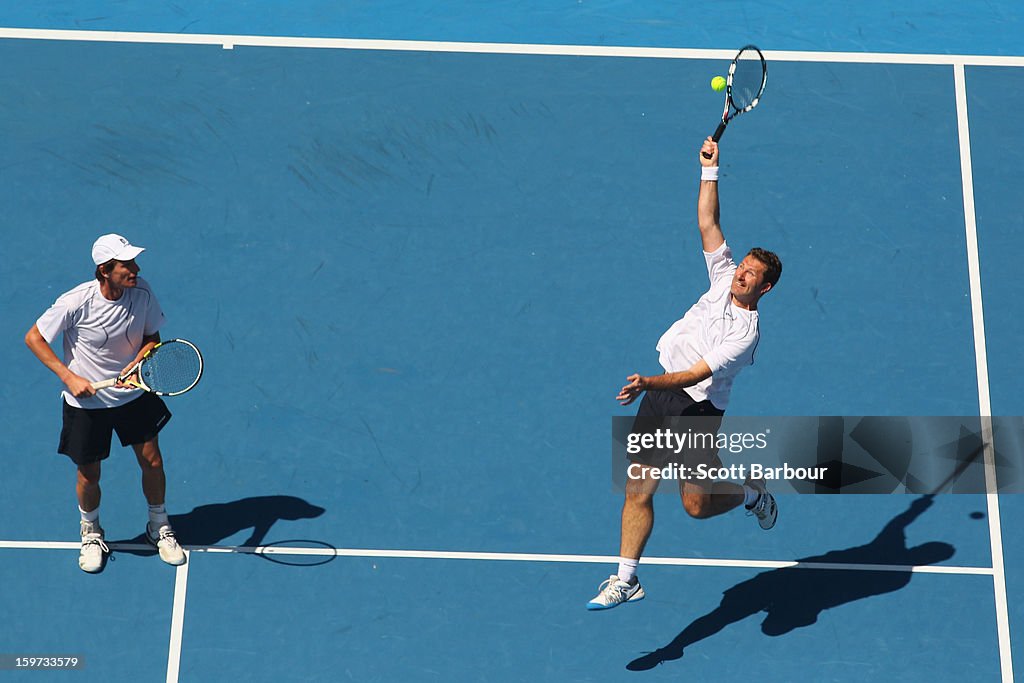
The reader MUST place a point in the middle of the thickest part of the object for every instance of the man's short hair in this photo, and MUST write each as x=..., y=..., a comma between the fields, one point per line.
x=772, y=263
x=104, y=269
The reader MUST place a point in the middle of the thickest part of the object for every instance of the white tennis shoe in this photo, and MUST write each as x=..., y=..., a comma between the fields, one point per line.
x=764, y=508
x=90, y=557
x=166, y=544
x=614, y=592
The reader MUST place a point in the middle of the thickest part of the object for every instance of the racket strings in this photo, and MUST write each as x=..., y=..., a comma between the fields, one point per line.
x=172, y=368
x=747, y=80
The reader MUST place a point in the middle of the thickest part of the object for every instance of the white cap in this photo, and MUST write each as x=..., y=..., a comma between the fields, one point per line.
x=113, y=247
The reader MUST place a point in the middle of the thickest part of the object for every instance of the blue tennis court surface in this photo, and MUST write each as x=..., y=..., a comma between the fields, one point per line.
x=419, y=277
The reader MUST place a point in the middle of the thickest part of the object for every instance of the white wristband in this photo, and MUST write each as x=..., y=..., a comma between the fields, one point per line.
x=709, y=173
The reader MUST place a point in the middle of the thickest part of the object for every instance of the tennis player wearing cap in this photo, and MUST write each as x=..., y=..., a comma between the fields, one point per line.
x=108, y=325
x=702, y=353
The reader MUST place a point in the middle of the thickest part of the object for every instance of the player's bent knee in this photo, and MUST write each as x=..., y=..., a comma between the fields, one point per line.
x=89, y=474
x=152, y=462
x=697, y=505
x=639, y=498
x=149, y=456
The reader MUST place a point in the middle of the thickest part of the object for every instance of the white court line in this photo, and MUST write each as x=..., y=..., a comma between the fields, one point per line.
x=232, y=41
x=981, y=366
x=177, y=619
x=511, y=557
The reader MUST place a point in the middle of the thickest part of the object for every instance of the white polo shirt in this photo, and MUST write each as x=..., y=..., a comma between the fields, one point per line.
x=714, y=329
x=101, y=337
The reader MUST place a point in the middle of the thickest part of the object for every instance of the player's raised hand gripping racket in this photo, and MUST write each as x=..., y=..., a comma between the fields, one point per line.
x=748, y=73
x=168, y=369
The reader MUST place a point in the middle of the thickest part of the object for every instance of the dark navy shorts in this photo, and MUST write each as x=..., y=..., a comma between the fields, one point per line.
x=86, y=434
x=676, y=410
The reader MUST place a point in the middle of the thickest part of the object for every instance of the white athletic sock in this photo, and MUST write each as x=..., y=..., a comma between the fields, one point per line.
x=158, y=516
x=93, y=516
x=750, y=495
x=627, y=568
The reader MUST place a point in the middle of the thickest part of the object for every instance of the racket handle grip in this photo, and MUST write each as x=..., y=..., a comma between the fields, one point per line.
x=105, y=384
x=716, y=137
x=719, y=131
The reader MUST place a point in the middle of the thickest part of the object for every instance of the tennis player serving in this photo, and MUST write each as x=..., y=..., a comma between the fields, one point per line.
x=108, y=324
x=701, y=353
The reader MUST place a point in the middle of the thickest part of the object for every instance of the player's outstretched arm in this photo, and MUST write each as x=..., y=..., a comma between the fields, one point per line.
x=670, y=380
x=707, y=201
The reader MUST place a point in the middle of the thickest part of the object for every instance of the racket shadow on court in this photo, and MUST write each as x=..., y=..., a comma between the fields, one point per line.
x=209, y=525
x=793, y=597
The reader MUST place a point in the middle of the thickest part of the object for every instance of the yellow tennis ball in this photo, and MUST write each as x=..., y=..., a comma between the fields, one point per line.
x=718, y=84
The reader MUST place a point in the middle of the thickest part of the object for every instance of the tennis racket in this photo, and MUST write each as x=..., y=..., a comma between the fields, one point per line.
x=168, y=369
x=748, y=73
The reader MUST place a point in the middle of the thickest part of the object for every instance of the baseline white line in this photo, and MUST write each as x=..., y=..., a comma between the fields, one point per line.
x=232, y=41
x=41, y=545
x=520, y=557
x=177, y=619
x=981, y=368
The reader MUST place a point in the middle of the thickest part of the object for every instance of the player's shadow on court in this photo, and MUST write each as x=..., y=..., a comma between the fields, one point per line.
x=794, y=596
x=213, y=523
